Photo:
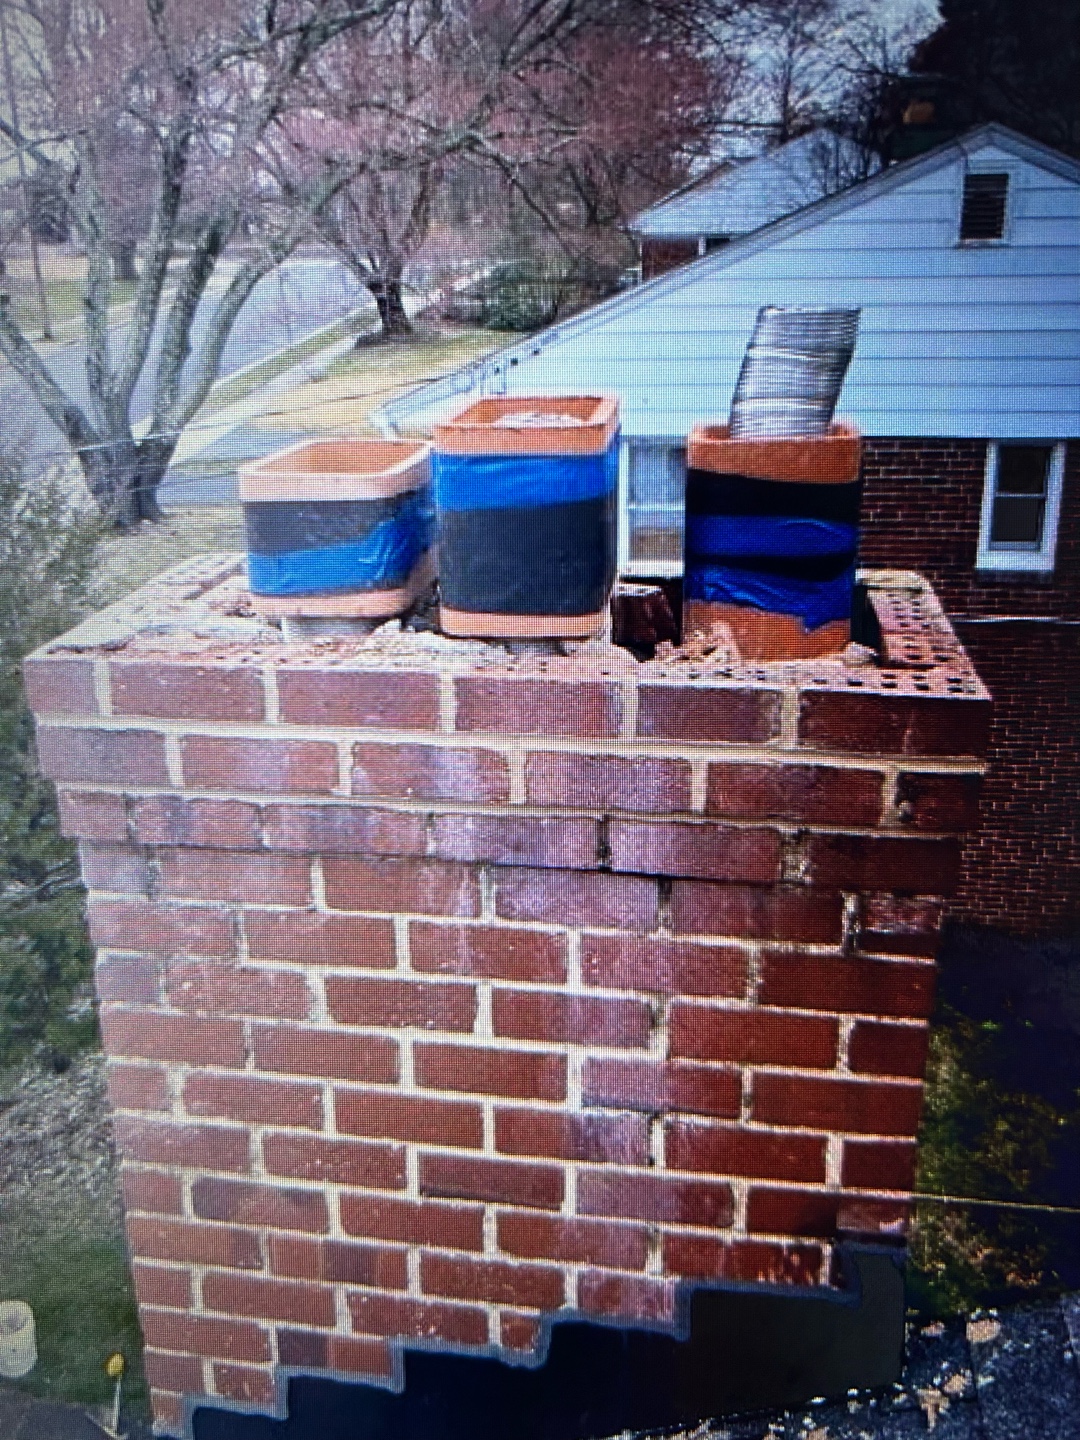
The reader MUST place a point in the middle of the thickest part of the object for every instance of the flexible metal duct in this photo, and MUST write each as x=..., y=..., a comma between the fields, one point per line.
x=793, y=371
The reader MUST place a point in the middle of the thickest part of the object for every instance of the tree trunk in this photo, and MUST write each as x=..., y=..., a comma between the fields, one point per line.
x=123, y=476
x=124, y=262
x=392, y=316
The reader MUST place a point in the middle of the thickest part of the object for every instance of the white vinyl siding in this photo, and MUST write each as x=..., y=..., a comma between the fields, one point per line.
x=652, y=483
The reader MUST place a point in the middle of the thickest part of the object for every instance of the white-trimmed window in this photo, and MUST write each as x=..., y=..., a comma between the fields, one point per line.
x=652, y=486
x=1021, y=503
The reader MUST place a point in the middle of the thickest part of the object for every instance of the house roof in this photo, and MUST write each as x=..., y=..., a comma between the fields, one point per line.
x=738, y=199
x=955, y=340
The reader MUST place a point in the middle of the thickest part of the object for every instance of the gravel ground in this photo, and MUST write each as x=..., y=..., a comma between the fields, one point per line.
x=55, y=1136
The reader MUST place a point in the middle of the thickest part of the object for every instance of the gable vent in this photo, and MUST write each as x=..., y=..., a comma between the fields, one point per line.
x=983, y=214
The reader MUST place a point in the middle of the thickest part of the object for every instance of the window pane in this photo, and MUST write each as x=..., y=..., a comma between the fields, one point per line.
x=1017, y=521
x=656, y=474
x=1023, y=469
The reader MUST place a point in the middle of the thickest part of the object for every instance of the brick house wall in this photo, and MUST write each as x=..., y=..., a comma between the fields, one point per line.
x=921, y=509
x=443, y=999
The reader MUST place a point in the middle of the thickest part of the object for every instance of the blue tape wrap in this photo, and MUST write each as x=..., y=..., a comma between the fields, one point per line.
x=816, y=602
x=382, y=559
x=520, y=482
x=768, y=535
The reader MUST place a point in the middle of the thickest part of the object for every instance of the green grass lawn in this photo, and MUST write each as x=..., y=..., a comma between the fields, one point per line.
x=65, y=298
x=71, y=1266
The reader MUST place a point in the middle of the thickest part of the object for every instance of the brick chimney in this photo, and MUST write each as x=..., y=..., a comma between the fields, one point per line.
x=448, y=994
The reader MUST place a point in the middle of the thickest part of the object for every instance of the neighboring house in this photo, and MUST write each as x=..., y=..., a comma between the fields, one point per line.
x=965, y=383
x=736, y=199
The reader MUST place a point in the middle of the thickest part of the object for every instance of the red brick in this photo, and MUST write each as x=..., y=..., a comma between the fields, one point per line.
x=752, y=1261
x=734, y=1150
x=854, y=1105
x=519, y=1332
x=809, y=794
x=161, y=929
x=152, y=1035
x=88, y=816
x=361, y=1357
x=749, y=912
x=607, y=782
x=847, y=984
x=339, y=1262
x=866, y=862
x=938, y=802
x=791, y=1212
x=320, y=939
x=582, y=1242
x=314, y=939
x=707, y=712
x=878, y=1165
x=272, y=767
x=657, y=1198
x=202, y=1335
x=253, y=1100
x=114, y=867
x=185, y=691
x=506, y=1182
x=894, y=725
x=432, y=887
x=244, y=1383
x=615, y=1139
x=173, y=1372
x=899, y=925
x=546, y=841
x=410, y=1222
x=234, y=875
x=856, y=1215
x=655, y=1087
x=200, y=986
x=59, y=686
x=344, y=829
x=139, y=1087
x=303, y=1349
x=752, y=1037
x=488, y=952
x=518, y=1074
x=662, y=967
x=425, y=1004
x=161, y=1285
x=409, y=1117
x=889, y=1049
x=696, y=849
x=515, y=705
x=103, y=757
x=627, y=1298
x=194, y=1243
x=384, y=699
x=337, y=1162
x=168, y=1411
x=333, y=1054
x=294, y=1301
x=540, y=1287
x=198, y=1147
x=127, y=979
x=157, y=1191
x=430, y=772
x=216, y=824
x=569, y=897
x=571, y=1019
x=418, y=1319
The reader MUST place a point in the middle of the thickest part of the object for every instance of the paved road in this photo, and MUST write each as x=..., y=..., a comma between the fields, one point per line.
x=302, y=296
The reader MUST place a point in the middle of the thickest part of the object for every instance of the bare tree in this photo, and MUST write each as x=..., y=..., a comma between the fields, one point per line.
x=204, y=83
